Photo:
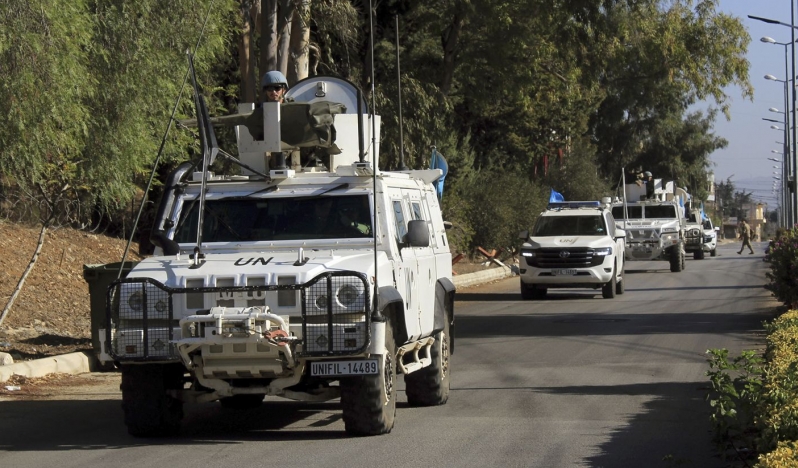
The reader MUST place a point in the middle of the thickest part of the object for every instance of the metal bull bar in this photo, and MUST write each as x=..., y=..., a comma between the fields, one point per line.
x=143, y=316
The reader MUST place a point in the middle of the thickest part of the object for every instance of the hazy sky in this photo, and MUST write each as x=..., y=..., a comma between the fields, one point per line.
x=751, y=139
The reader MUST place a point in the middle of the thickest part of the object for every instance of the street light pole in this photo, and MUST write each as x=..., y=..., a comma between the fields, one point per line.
x=786, y=146
x=791, y=189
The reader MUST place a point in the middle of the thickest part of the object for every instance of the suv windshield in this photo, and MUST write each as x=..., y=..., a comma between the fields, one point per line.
x=569, y=226
x=249, y=219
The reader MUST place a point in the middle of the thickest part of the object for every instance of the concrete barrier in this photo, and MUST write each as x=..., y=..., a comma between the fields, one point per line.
x=72, y=363
x=485, y=276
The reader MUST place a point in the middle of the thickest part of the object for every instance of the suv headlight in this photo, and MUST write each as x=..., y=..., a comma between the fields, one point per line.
x=603, y=252
x=528, y=253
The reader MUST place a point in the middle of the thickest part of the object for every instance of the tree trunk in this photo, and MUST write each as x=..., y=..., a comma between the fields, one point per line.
x=300, y=39
x=284, y=18
x=25, y=274
x=247, y=91
x=449, y=41
x=268, y=37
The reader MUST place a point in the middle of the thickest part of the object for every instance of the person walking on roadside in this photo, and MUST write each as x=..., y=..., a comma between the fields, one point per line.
x=745, y=235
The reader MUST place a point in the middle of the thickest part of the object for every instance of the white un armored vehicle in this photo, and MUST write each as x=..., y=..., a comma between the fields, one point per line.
x=311, y=281
x=573, y=245
x=654, y=224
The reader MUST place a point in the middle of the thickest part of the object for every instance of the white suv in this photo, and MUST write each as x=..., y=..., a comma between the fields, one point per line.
x=710, y=237
x=573, y=245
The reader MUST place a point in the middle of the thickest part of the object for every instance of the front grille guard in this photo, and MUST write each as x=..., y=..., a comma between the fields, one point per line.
x=576, y=258
x=156, y=320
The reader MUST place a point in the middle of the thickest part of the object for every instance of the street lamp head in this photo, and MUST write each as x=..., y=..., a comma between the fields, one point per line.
x=774, y=159
x=767, y=39
x=773, y=109
x=771, y=78
x=774, y=151
x=775, y=127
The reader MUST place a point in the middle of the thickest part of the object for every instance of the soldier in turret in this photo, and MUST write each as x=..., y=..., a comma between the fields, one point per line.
x=274, y=86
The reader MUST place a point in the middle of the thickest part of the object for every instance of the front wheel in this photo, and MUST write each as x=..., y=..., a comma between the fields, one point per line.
x=149, y=410
x=369, y=401
x=430, y=386
x=620, y=285
x=712, y=253
x=608, y=289
x=676, y=259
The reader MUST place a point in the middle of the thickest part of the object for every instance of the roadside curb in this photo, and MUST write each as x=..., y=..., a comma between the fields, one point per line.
x=492, y=274
x=79, y=363
x=72, y=363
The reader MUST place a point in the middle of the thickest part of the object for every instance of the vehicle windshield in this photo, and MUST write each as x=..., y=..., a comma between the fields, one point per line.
x=248, y=219
x=635, y=212
x=661, y=211
x=708, y=225
x=569, y=226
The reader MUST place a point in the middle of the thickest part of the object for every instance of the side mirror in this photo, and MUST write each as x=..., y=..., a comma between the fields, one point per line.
x=447, y=225
x=523, y=235
x=717, y=228
x=620, y=234
x=417, y=233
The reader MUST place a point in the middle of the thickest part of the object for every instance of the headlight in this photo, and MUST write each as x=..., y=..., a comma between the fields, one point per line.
x=347, y=295
x=602, y=252
x=321, y=302
x=136, y=300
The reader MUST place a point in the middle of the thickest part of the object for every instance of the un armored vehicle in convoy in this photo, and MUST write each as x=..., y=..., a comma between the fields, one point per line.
x=654, y=225
x=694, y=234
x=573, y=245
x=310, y=275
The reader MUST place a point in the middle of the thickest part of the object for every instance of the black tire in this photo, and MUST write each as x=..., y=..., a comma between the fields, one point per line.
x=364, y=412
x=713, y=252
x=698, y=255
x=527, y=291
x=240, y=402
x=620, y=285
x=608, y=290
x=676, y=259
x=430, y=386
x=149, y=411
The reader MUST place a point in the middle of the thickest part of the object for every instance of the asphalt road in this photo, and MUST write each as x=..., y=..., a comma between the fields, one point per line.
x=574, y=380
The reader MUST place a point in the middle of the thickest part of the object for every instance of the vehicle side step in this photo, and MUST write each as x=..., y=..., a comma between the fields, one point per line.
x=417, y=361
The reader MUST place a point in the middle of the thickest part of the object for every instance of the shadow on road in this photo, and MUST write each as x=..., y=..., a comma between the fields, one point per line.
x=590, y=323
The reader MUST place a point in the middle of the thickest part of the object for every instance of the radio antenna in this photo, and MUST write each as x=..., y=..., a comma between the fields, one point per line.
x=376, y=315
x=402, y=165
x=160, y=149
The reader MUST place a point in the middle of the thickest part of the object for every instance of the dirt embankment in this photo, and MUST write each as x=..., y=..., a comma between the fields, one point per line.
x=51, y=315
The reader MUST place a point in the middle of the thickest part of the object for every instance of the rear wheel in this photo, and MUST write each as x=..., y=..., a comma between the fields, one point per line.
x=149, y=410
x=369, y=402
x=430, y=386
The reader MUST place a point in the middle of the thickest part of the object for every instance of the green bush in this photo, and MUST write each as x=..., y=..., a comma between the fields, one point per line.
x=755, y=400
x=783, y=275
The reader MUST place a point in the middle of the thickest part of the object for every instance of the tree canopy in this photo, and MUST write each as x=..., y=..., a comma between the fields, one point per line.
x=532, y=95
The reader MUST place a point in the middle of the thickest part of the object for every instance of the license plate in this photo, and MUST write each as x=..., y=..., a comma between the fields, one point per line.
x=341, y=368
x=564, y=272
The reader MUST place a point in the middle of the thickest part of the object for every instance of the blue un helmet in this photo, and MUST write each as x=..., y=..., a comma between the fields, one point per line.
x=272, y=78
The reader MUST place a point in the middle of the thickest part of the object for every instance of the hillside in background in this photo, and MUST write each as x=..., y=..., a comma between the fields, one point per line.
x=51, y=315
